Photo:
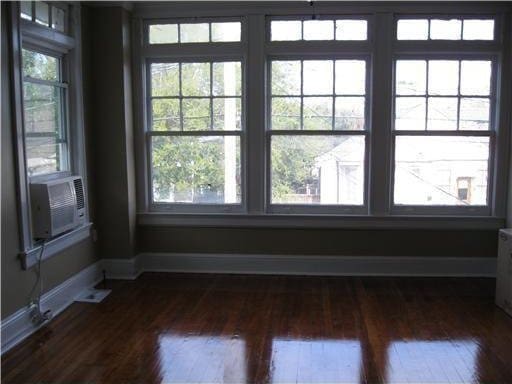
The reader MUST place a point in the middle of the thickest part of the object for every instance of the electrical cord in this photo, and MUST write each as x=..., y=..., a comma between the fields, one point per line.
x=38, y=316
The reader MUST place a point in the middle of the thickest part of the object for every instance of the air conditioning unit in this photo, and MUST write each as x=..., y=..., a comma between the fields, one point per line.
x=504, y=272
x=57, y=206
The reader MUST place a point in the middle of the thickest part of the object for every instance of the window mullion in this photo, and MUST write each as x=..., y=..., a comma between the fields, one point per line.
x=381, y=95
x=255, y=140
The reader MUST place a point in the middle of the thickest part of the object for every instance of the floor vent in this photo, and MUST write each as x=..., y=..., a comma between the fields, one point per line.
x=93, y=295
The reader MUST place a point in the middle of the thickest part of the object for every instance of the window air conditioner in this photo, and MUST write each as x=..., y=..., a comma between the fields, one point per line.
x=57, y=206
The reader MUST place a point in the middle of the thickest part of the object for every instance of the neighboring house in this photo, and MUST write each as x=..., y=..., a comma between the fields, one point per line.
x=437, y=171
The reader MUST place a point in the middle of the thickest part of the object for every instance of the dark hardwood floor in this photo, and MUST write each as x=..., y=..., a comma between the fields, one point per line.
x=170, y=328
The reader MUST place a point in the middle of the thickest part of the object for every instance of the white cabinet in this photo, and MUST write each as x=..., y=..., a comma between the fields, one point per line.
x=504, y=272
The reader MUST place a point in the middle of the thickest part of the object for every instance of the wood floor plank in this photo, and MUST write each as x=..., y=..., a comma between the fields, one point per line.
x=198, y=328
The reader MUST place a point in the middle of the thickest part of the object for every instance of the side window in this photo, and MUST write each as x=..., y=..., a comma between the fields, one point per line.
x=45, y=113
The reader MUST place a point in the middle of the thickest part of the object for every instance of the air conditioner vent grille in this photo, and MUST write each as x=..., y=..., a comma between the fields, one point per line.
x=62, y=204
x=79, y=191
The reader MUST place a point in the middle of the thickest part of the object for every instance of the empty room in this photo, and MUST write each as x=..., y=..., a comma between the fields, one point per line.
x=256, y=192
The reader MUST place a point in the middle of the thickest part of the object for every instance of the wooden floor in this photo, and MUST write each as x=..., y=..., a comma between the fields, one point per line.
x=179, y=328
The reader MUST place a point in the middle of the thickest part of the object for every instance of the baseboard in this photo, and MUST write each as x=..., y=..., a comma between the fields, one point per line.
x=18, y=326
x=315, y=265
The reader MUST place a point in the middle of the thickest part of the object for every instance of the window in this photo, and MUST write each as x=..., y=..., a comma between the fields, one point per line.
x=395, y=110
x=318, y=131
x=44, y=107
x=195, y=122
x=48, y=100
x=202, y=32
x=51, y=15
x=333, y=29
x=318, y=125
x=443, y=127
x=445, y=29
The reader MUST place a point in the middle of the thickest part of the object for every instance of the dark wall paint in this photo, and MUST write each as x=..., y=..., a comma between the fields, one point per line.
x=108, y=68
x=318, y=241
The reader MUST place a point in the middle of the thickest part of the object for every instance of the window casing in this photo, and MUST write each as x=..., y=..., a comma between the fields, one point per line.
x=380, y=51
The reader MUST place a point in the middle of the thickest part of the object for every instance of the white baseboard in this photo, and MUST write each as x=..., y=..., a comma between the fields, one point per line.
x=302, y=265
x=18, y=326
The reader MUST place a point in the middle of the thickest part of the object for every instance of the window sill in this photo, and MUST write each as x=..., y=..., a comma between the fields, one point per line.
x=54, y=246
x=319, y=221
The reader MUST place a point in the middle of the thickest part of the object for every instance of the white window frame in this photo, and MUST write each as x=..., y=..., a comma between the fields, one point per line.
x=67, y=46
x=331, y=50
x=488, y=50
x=381, y=47
x=183, y=53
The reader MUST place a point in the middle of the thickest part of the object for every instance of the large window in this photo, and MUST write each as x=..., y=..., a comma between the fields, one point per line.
x=195, y=119
x=44, y=107
x=443, y=127
x=318, y=116
x=360, y=110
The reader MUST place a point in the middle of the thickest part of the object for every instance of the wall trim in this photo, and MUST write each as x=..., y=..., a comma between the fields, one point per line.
x=314, y=265
x=18, y=326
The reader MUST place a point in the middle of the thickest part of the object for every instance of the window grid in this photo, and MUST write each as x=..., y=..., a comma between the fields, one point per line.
x=480, y=208
x=334, y=95
x=336, y=35
x=460, y=19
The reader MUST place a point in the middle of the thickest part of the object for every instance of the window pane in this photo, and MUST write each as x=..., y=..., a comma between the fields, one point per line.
x=196, y=114
x=414, y=29
x=226, y=31
x=286, y=30
x=227, y=79
x=44, y=155
x=474, y=113
x=443, y=77
x=318, y=30
x=40, y=66
x=195, y=79
x=286, y=78
x=410, y=113
x=317, y=113
x=350, y=77
x=317, y=169
x=427, y=170
x=349, y=113
x=26, y=10
x=194, y=33
x=43, y=128
x=475, y=77
x=42, y=16
x=351, y=30
x=163, y=34
x=445, y=29
x=165, y=79
x=318, y=77
x=42, y=108
x=478, y=30
x=58, y=19
x=286, y=113
x=199, y=170
x=411, y=77
x=442, y=113
x=165, y=114
x=227, y=114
